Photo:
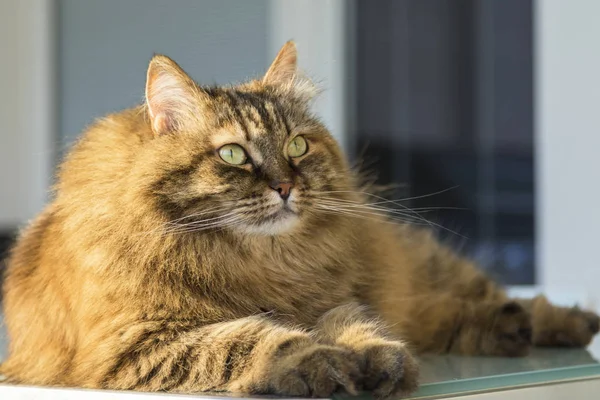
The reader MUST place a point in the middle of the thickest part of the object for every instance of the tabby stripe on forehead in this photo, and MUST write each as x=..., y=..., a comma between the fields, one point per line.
x=265, y=116
x=234, y=103
x=257, y=103
x=270, y=108
x=282, y=120
x=250, y=113
x=250, y=116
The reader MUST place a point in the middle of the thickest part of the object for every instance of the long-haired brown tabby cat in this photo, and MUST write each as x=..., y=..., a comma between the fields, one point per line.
x=213, y=239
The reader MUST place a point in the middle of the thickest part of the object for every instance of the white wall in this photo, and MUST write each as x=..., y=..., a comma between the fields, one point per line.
x=568, y=144
x=26, y=116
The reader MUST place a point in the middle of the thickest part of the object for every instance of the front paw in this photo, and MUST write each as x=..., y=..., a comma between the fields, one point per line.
x=563, y=326
x=316, y=371
x=388, y=369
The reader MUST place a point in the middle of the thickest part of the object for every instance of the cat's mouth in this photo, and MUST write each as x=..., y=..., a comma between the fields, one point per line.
x=280, y=221
x=271, y=216
x=283, y=212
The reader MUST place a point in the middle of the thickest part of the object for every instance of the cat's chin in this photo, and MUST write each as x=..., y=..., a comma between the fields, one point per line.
x=285, y=223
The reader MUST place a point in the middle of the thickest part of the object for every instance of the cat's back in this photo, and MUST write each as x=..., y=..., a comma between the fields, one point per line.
x=93, y=168
x=41, y=279
x=32, y=300
x=25, y=255
x=104, y=152
x=90, y=171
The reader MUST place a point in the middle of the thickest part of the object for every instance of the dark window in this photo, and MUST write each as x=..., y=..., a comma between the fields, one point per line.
x=444, y=100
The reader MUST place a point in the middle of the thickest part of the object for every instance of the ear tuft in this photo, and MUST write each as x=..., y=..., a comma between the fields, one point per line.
x=170, y=95
x=284, y=74
x=285, y=66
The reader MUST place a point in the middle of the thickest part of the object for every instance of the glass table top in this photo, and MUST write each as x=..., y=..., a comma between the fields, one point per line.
x=451, y=374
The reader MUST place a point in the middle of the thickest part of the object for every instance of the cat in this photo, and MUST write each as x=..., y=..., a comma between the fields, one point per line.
x=216, y=239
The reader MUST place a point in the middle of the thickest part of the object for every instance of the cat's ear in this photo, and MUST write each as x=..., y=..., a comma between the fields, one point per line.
x=284, y=68
x=284, y=73
x=171, y=95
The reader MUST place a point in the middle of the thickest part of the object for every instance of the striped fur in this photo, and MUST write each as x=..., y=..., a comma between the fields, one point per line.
x=158, y=266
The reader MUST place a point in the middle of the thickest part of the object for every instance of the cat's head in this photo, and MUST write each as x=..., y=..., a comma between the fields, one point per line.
x=250, y=158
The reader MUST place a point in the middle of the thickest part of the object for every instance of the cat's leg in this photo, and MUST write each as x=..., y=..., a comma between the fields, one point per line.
x=448, y=304
x=249, y=355
x=556, y=326
x=551, y=325
x=387, y=364
x=440, y=302
x=443, y=323
x=475, y=316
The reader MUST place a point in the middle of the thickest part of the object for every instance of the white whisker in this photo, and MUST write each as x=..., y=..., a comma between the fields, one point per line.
x=408, y=215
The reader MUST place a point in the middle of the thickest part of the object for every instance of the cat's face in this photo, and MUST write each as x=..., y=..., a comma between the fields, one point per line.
x=250, y=158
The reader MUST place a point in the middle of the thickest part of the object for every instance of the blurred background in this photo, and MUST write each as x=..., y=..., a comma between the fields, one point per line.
x=485, y=111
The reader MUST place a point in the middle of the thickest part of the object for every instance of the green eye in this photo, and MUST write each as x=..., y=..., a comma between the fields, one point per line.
x=233, y=154
x=297, y=147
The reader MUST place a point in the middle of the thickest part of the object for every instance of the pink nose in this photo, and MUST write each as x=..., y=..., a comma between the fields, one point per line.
x=283, y=188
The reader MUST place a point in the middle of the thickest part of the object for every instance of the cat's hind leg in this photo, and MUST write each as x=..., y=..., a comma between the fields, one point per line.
x=555, y=326
x=442, y=302
x=448, y=324
x=551, y=325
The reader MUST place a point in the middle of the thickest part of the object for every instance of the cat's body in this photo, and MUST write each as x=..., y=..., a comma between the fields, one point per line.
x=160, y=266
